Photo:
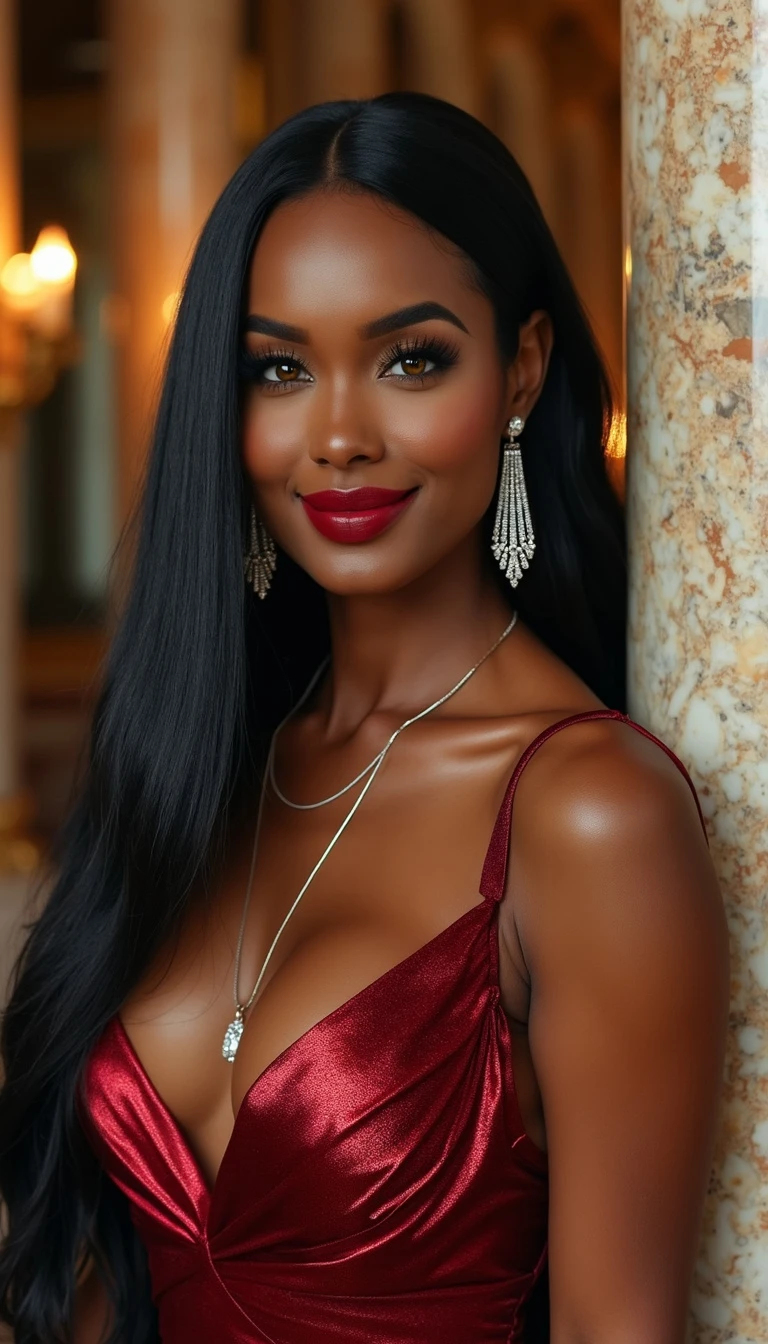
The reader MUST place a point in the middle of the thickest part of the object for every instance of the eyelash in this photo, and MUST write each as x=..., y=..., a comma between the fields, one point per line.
x=441, y=352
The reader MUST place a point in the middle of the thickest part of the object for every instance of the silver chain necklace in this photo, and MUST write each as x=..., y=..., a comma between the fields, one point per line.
x=235, y=1029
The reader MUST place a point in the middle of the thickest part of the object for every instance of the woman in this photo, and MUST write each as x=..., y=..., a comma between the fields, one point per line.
x=280, y=1067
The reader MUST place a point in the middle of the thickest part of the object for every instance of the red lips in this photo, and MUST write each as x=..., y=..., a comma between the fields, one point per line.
x=355, y=515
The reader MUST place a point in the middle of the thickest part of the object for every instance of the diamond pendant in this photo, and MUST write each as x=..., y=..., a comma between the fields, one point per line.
x=232, y=1037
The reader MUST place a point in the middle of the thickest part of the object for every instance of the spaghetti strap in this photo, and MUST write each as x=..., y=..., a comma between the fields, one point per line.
x=495, y=866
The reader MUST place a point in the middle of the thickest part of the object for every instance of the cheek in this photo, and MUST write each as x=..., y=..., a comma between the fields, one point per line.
x=450, y=432
x=269, y=442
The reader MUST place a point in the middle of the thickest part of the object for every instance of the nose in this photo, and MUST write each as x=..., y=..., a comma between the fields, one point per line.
x=341, y=434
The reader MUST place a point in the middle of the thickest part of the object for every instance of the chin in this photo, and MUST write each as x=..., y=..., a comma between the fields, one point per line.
x=360, y=585
x=367, y=579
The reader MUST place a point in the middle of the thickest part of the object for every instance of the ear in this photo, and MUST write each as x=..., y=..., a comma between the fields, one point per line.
x=528, y=371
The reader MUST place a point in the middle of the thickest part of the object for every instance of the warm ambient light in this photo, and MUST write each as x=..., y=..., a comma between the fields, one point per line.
x=617, y=437
x=37, y=339
x=628, y=264
x=170, y=304
x=52, y=259
x=54, y=264
x=39, y=286
x=19, y=284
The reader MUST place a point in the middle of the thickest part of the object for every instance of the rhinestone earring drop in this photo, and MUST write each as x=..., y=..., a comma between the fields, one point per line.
x=261, y=557
x=512, y=542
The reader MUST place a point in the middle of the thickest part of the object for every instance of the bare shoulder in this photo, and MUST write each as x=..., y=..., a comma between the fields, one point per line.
x=620, y=922
x=601, y=778
x=605, y=825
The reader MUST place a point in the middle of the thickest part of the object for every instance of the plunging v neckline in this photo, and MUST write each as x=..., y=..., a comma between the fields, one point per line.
x=386, y=1139
x=208, y=1189
x=491, y=885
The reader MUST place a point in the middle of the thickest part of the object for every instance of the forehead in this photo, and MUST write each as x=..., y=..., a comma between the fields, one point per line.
x=327, y=245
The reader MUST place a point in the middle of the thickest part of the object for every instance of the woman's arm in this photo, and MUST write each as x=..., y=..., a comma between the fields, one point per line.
x=621, y=922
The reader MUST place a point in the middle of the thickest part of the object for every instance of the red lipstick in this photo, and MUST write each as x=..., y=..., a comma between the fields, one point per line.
x=355, y=515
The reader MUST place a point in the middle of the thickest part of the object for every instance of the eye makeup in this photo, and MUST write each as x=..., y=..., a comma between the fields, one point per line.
x=436, y=350
x=251, y=367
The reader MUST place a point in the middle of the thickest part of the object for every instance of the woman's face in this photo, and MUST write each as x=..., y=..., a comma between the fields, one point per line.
x=373, y=363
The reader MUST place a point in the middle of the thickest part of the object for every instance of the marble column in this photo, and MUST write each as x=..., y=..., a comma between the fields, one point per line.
x=696, y=225
x=172, y=148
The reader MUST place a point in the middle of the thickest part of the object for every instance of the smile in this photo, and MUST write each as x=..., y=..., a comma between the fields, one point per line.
x=351, y=516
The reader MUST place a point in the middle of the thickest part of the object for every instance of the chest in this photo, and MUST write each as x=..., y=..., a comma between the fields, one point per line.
x=406, y=868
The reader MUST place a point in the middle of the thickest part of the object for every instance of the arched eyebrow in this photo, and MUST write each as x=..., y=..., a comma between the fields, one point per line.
x=408, y=317
x=381, y=326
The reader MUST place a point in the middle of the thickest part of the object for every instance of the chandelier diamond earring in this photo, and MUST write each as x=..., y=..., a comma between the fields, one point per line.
x=261, y=557
x=512, y=542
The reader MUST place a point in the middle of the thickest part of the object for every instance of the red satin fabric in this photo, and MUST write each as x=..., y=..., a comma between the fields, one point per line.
x=379, y=1185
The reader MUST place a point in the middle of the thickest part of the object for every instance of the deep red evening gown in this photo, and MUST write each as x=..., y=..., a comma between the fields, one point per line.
x=379, y=1186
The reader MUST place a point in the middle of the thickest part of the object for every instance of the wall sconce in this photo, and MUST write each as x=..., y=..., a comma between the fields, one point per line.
x=36, y=333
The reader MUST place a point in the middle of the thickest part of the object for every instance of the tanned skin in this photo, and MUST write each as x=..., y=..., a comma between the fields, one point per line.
x=613, y=942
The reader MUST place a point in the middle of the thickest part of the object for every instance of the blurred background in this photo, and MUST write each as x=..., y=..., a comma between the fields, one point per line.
x=120, y=122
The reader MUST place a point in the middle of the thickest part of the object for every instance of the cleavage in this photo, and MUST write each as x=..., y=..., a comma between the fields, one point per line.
x=394, y=881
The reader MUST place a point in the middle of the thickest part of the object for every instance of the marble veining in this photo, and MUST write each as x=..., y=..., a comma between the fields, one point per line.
x=696, y=196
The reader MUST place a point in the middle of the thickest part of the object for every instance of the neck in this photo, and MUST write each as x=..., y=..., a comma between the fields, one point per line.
x=397, y=652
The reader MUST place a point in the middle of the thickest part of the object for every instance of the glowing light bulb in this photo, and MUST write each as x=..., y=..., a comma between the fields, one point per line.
x=53, y=264
x=52, y=259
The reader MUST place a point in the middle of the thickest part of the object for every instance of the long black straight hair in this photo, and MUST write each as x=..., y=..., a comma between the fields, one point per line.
x=199, y=671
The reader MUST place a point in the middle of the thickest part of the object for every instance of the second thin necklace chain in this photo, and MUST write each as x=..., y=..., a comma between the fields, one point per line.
x=234, y=1031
